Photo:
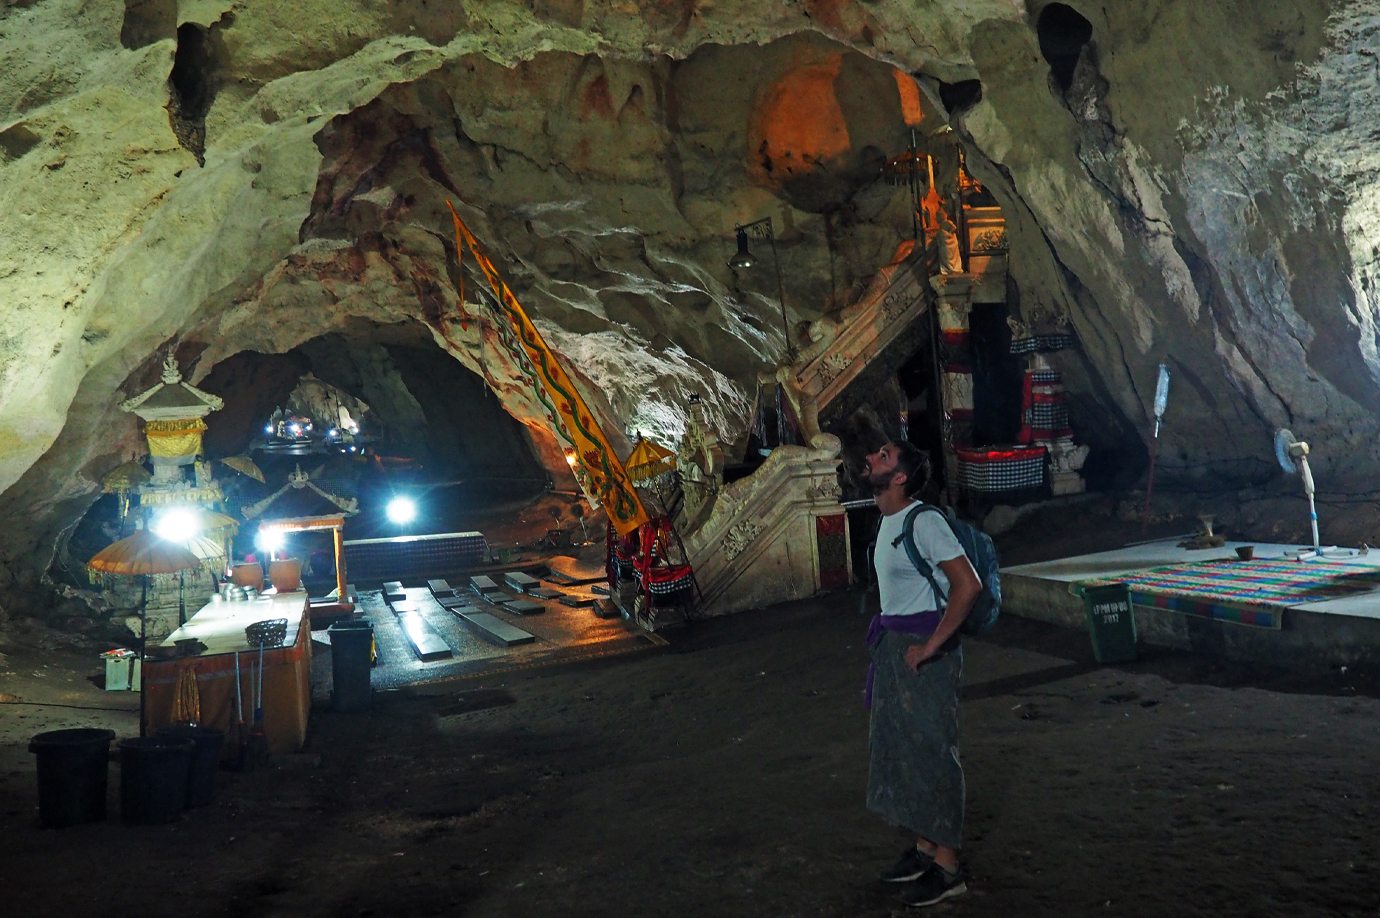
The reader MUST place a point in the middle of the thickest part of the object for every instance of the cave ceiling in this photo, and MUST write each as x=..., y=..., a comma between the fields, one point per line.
x=1190, y=182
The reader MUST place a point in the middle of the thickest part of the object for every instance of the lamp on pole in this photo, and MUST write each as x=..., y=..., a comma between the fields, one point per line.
x=743, y=259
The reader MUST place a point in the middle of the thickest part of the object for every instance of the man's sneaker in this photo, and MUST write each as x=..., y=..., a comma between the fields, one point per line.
x=910, y=867
x=935, y=885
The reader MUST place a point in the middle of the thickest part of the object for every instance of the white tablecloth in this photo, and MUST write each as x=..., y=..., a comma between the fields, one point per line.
x=220, y=625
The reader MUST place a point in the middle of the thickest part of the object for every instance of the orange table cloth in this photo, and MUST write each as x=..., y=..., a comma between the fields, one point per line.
x=286, y=671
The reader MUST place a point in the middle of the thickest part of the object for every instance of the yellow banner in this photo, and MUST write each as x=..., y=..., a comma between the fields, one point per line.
x=566, y=411
x=174, y=446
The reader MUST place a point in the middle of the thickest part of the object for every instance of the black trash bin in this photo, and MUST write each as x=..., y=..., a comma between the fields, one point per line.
x=72, y=767
x=153, y=778
x=201, y=777
x=352, y=647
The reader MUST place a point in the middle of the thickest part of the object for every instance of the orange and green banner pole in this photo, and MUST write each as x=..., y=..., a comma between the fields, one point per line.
x=566, y=411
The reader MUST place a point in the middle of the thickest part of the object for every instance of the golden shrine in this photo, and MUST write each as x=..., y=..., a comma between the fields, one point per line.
x=179, y=507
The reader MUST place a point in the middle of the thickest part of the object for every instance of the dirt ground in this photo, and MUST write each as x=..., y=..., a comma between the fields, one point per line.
x=725, y=775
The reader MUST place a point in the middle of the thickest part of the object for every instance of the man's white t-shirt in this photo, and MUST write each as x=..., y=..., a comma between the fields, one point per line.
x=904, y=591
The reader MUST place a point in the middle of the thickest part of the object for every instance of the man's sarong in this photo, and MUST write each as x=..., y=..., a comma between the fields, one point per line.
x=915, y=779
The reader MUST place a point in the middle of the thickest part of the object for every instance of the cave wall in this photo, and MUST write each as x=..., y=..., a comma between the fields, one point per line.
x=1192, y=186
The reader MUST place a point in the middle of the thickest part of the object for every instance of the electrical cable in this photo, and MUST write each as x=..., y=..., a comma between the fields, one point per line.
x=78, y=707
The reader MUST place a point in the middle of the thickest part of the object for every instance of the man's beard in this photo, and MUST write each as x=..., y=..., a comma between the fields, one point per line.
x=878, y=483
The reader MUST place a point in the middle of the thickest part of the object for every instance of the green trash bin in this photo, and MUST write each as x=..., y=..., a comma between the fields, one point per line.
x=1110, y=622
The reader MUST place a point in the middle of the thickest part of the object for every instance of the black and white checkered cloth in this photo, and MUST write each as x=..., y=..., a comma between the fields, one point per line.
x=1026, y=471
x=1041, y=343
x=1049, y=416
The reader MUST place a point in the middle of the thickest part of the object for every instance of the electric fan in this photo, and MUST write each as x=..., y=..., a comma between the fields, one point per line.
x=1292, y=454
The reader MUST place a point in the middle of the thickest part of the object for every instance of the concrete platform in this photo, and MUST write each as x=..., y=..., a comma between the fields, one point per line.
x=1335, y=632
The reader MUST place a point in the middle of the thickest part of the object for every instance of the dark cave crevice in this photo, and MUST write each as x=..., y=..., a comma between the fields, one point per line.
x=1063, y=32
x=192, y=87
x=960, y=96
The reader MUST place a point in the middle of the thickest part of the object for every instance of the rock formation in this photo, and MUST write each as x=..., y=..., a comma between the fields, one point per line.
x=1187, y=182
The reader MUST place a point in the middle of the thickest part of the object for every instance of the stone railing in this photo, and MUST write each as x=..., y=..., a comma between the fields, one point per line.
x=777, y=535
x=844, y=346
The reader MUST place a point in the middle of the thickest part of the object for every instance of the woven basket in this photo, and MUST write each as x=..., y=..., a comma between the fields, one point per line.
x=269, y=633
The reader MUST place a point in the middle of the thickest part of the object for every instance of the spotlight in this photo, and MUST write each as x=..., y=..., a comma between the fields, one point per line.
x=177, y=525
x=401, y=510
x=333, y=433
x=268, y=540
x=268, y=428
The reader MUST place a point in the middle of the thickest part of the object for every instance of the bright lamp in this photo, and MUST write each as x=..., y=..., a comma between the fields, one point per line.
x=401, y=510
x=177, y=525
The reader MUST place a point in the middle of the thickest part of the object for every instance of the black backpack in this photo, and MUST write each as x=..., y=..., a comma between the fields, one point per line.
x=982, y=554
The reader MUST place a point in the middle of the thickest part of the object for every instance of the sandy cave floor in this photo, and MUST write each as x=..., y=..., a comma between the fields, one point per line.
x=724, y=775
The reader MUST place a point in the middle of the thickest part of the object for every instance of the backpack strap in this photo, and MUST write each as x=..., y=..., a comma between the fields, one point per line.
x=907, y=539
x=871, y=578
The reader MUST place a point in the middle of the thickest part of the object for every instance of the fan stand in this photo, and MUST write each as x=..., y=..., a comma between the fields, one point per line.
x=1292, y=454
x=1317, y=552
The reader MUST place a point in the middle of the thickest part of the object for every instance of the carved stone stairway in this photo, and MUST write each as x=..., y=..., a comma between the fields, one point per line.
x=870, y=339
x=777, y=535
x=780, y=534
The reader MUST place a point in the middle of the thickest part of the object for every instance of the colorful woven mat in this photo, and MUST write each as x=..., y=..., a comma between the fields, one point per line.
x=1244, y=592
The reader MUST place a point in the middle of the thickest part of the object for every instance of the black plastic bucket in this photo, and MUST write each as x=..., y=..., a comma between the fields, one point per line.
x=201, y=776
x=153, y=778
x=352, y=646
x=72, y=767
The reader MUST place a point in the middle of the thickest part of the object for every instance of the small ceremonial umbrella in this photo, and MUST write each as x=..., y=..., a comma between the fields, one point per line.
x=211, y=521
x=126, y=477
x=143, y=553
x=205, y=547
x=245, y=466
x=121, y=480
x=648, y=460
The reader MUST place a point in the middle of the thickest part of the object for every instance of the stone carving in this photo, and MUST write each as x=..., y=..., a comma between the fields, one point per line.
x=1064, y=455
x=1038, y=320
x=1065, y=460
x=832, y=366
x=988, y=241
x=739, y=537
x=700, y=457
x=825, y=489
x=950, y=257
x=895, y=305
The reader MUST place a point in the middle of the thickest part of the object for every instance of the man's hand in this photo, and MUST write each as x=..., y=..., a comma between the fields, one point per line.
x=916, y=654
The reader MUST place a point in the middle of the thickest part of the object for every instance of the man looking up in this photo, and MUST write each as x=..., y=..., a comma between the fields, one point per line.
x=915, y=779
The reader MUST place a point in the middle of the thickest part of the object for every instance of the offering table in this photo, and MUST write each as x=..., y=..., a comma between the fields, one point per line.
x=286, y=670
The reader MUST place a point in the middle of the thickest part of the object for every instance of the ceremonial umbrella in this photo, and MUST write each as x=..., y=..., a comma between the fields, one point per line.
x=205, y=547
x=245, y=466
x=143, y=553
x=126, y=477
x=648, y=460
x=121, y=480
